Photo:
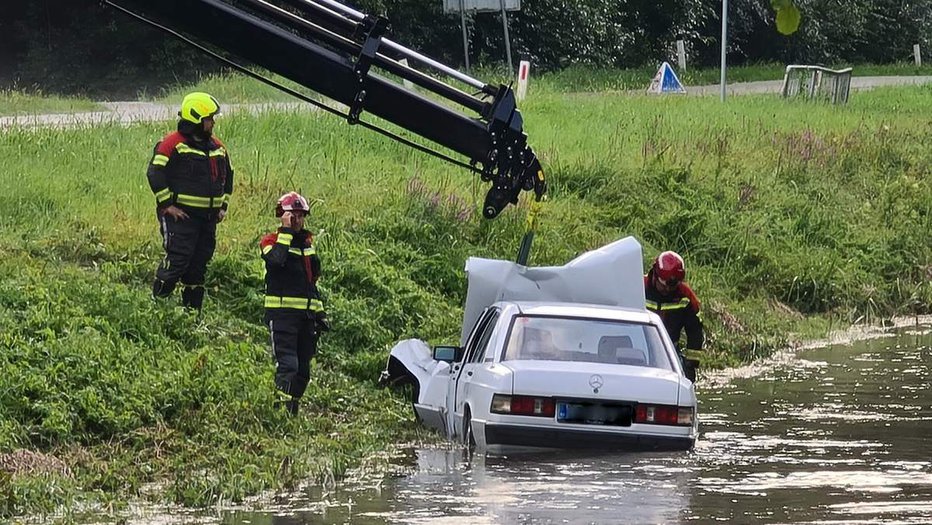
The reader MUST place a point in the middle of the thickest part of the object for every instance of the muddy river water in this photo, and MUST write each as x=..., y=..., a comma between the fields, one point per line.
x=841, y=434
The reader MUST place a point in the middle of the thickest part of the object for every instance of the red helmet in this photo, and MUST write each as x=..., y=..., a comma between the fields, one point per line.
x=669, y=268
x=291, y=201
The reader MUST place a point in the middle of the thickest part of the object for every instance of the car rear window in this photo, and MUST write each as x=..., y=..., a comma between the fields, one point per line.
x=539, y=338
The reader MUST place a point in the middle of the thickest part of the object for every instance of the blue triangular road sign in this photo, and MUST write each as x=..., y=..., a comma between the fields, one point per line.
x=666, y=81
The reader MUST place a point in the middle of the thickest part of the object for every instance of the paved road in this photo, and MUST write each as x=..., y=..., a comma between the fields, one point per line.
x=131, y=112
x=774, y=86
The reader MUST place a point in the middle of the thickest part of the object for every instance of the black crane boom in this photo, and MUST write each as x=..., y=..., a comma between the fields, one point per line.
x=332, y=49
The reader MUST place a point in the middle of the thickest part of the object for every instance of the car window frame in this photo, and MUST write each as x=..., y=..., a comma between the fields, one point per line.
x=485, y=338
x=482, y=325
x=511, y=326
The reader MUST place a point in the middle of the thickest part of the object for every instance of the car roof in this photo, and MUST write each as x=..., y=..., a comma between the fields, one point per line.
x=598, y=311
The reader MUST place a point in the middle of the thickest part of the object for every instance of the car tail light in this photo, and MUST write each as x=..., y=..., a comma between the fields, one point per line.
x=522, y=405
x=663, y=415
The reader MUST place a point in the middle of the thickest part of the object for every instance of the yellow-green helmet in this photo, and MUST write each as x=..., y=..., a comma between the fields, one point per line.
x=197, y=106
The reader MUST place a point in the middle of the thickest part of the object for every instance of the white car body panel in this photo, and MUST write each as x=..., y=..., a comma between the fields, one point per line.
x=448, y=392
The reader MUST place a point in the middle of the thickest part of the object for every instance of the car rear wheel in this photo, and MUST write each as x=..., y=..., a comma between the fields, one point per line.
x=469, y=441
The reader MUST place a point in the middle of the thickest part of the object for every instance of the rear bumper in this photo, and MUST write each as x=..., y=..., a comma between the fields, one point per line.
x=523, y=436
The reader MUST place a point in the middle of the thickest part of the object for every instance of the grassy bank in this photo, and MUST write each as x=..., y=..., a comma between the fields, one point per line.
x=791, y=216
x=17, y=102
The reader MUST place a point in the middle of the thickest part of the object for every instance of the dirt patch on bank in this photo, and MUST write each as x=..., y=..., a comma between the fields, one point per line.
x=26, y=462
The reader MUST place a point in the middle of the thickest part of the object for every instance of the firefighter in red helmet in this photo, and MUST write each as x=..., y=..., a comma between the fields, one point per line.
x=294, y=311
x=673, y=300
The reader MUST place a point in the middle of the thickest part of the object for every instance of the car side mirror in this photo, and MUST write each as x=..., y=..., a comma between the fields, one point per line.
x=449, y=354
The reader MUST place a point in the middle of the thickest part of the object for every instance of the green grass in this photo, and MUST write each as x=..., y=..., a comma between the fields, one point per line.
x=16, y=102
x=235, y=88
x=792, y=216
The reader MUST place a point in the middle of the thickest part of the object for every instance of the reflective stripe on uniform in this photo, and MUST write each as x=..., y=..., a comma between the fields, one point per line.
x=284, y=238
x=163, y=195
x=198, y=202
x=267, y=249
x=684, y=302
x=653, y=305
x=296, y=303
x=159, y=160
x=226, y=198
x=181, y=147
x=307, y=252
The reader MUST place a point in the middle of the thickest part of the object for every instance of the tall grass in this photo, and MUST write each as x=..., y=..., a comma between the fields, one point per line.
x=781, y=208
x=19, y=102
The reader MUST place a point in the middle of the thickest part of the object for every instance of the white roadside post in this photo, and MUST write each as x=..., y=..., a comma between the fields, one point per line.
x=681, y=54
x=524, y=70
x=724, y=44
x=917, y=54
x=407, y=83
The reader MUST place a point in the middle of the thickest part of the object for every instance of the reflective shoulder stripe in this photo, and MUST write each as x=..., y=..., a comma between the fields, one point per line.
x=267, y=249
x=181, y=147
x=219, y=152
x=651, y=304
x=159, y=160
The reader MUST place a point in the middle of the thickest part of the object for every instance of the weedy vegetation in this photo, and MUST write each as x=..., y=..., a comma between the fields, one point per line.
x=793, y=217
x=32, y=102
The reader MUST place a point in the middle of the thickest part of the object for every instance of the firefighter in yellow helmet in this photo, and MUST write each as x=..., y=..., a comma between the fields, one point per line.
x=192, y=179
x=294, y=311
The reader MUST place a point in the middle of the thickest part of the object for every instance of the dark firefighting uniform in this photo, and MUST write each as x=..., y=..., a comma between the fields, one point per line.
x=197, y=177
x=679, y=311
x=293, y=309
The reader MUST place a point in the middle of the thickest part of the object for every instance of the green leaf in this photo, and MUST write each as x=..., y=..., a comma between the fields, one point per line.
x=788, y=20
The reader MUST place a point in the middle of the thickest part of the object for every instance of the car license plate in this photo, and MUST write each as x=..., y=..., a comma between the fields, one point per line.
x=594, y=414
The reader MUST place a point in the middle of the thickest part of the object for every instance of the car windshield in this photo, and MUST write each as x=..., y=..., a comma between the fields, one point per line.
x=539, y=338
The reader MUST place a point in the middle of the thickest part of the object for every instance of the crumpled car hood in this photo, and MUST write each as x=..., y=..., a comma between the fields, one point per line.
x=611, y=275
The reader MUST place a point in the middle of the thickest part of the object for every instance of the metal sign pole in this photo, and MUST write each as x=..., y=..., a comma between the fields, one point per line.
x=465, y=35
x=511, y=66
x=724, y=44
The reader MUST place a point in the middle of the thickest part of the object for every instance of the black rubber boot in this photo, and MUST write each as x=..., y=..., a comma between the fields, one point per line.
x=192, y=296
x=162, y=288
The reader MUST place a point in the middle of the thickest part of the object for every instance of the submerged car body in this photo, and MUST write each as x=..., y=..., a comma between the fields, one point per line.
x=554, y=375
x=558, y=357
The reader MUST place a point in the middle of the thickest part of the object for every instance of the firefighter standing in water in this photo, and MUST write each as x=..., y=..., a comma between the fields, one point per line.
x=674, y=301
x=192, y=179
x=293, y=309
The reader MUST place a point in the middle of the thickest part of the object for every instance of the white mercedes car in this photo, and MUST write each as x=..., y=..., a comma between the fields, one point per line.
x=554, y=374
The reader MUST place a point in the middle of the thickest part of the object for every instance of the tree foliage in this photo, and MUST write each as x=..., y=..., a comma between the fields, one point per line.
x=79, y=46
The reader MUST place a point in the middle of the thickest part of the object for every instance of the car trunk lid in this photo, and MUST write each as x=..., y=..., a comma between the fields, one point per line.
x=594, y=381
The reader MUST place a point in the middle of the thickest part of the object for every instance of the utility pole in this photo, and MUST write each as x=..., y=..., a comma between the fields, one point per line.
x=465, y=35
x=511, y=66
